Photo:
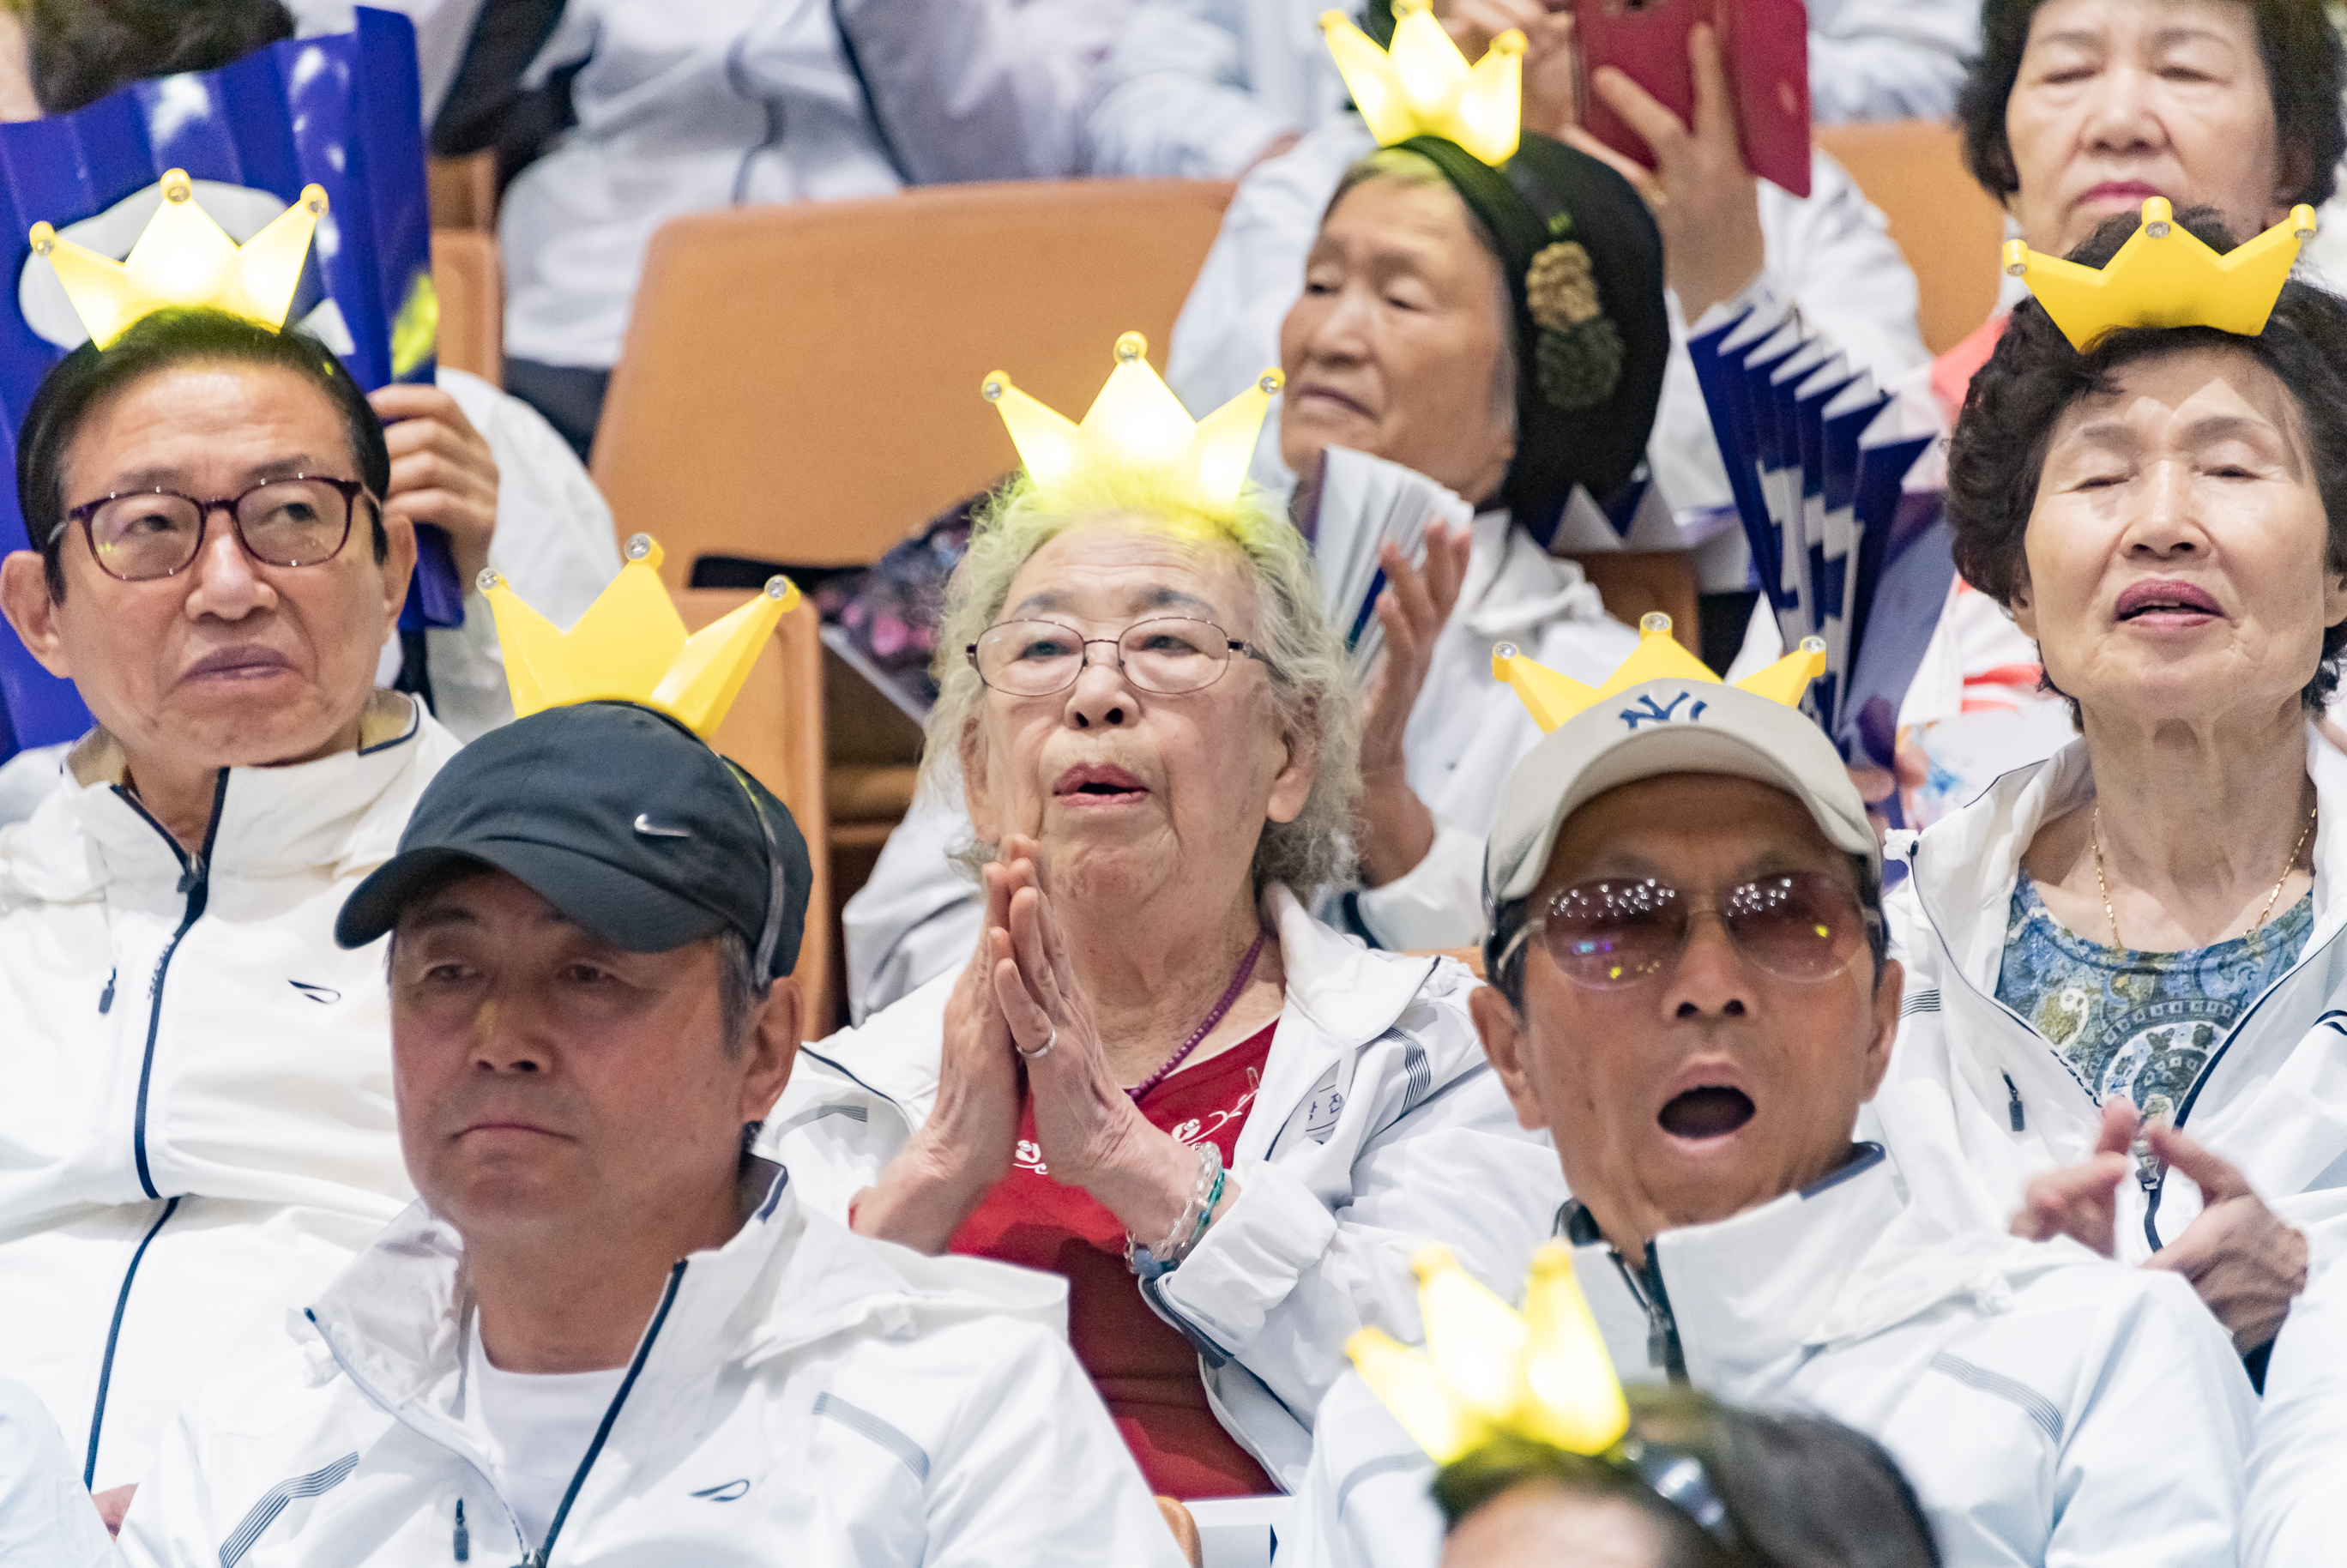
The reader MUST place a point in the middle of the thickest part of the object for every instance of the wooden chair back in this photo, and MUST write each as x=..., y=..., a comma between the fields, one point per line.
x=775, y=731
x=1949, y=229
x=799, y=382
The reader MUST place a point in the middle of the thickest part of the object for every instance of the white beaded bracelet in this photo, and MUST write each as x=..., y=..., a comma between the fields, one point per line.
x=1189, y=1226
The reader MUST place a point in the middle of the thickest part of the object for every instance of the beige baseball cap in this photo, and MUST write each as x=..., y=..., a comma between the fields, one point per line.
x=1674, y=724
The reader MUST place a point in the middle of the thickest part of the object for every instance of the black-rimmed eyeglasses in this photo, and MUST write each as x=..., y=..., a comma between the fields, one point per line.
x=304, y=519
x=1169, y=655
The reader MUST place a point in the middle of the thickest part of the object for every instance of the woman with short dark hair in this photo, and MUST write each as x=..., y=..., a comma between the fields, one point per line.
x=2144, y=928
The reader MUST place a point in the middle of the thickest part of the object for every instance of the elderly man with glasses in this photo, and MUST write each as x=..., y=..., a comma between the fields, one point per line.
x=1690, y=993
x=196, y=1126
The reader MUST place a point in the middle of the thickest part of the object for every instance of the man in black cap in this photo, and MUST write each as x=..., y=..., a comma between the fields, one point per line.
x=607, y=1323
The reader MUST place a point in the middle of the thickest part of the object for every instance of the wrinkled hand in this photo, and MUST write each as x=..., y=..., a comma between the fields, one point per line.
x=1396, y=828
x=1705, y=201
x=442, y=471
x=2246, y=1264
x=1093, y=1135
x=2080, y=1201
x=964, y=1148
x=1550, y=105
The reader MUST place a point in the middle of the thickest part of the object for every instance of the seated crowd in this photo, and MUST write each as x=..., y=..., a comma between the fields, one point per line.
x=410, y=1145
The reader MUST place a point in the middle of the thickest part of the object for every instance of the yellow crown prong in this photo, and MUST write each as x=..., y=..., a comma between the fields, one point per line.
x=488, y=580
x=1407, y=1384
x=2165, y=276
x=2304, y=224
x=1550, y=697
x=1424, y=87
x=1655, y=623
x=1574, y=1400
x=1136, y=422
x=706, y=677
x=183, y=258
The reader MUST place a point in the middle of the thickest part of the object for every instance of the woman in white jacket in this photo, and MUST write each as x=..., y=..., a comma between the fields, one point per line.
x=2147, y=924
x=1224, y=1124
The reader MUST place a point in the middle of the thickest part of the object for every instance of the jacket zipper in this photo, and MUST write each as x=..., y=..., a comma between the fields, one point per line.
x=668, y=1298
x=1645, y=1286
x=113, y=1333
x=195, y=882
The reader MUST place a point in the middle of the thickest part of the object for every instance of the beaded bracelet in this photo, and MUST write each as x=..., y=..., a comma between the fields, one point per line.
x=1188, y=1226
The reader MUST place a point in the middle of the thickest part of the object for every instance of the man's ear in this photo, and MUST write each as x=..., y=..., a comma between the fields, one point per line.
x=1888, y=990
x=1503, y=1033
x=24, y=600
x=772, y=1047
x=398, y=563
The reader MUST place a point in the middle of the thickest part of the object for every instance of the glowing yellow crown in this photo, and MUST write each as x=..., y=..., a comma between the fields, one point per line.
x=186, y=259
x=1487, y=1369
x=1553, y=697
x=631, y=646
x=1424, y=87
x=2165, y=277
x=1136, y=421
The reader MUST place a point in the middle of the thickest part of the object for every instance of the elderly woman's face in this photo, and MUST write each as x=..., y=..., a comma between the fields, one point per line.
x=2176, y=552
x=230, y=663
x=1718, y=1085
x=2122, y=100
x=1135, y=794
x=1397, y=344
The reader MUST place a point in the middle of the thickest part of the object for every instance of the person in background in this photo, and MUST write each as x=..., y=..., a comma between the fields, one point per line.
x=1156, y=1073
x=1777, y=1492
x=1206, y=90
x=1414, y=339
x=609, y=1331
x=466, y=458
x=729, y=102
x=1690, y=994
x=195, y=1101
x=2139, y=935
x=1728, y=241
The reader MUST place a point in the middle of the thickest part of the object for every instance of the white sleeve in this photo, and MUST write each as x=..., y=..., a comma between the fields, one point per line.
x=554, y=543
x=1175, y=99
x=1833, y=257
x=171, y=1522
x=1437, y=903
x=917, y=916
x=2301, y=1446
x=1284, y=1278
x=1889, y=59
x=981, y=89
x=47, y=1518
x=1365, y=1501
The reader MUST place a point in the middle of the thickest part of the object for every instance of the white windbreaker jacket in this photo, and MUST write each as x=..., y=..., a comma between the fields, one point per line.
x=195, y=1128
x=1379, y=1127
x=919, y=916
x=2302, y=1454
x=800, y=1394
x=2050, y=1407
x=1977, y=1102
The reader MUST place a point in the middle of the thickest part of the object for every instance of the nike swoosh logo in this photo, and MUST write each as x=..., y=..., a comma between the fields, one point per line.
x=731, y=1491
x=645, y=826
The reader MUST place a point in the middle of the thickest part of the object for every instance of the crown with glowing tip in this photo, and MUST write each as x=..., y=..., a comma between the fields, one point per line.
x=1424, y=87
x=2164, y=276
x=1137, y=422
x=631, y=646
x=183, y=258
x=1553, y=697
x=1489, y=1370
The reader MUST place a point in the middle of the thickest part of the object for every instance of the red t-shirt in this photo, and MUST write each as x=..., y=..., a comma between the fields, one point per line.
x=1147, y=1373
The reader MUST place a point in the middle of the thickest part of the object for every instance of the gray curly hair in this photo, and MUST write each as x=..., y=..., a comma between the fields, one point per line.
x=1311, y=674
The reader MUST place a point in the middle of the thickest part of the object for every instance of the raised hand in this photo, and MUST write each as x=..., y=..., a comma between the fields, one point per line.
x=2080, y=1201
x=442, y=471
x=2242, y=1260
x=1396, y=827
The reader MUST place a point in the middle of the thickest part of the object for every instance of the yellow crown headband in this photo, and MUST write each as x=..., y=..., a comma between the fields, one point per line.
x=631, y=646
x=1137, y=422
x=2164, y=276
x=183, y=258
x=1553, y=697
x=1424, y=87
x=1489, y=1370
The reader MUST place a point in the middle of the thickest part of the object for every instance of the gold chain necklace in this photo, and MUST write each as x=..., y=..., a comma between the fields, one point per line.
x=2095, y=837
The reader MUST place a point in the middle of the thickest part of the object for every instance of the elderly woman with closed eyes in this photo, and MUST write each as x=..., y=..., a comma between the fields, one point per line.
x=1227, y=1125
x=2145, y=927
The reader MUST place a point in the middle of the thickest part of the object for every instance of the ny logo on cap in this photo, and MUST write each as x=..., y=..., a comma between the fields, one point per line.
x=1650, y=712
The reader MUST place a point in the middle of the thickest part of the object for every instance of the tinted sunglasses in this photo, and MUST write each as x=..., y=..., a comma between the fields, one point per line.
x=1802, y=925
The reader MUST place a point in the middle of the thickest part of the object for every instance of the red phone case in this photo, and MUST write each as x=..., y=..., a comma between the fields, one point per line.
x=1765, y=47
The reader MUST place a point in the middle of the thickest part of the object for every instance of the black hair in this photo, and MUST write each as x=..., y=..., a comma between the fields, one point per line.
x=2306, y=69
x=1799, y=1492
x=1505, y=945
x=1997, y=453
x=86, y=379
x=82, y=50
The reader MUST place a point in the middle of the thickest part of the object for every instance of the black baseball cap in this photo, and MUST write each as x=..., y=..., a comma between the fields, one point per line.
x=617, y=815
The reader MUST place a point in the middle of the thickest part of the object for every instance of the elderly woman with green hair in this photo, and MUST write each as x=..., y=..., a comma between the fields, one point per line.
x=1159, y=1076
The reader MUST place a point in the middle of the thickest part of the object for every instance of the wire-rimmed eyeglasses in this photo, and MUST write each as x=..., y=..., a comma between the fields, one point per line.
x=1168, y=655
x=138, y=536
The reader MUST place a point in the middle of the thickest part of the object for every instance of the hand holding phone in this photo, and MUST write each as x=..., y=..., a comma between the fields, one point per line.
x=1765, y=45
